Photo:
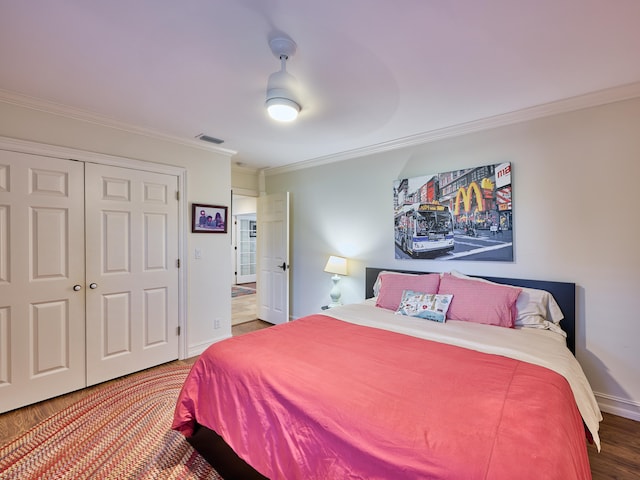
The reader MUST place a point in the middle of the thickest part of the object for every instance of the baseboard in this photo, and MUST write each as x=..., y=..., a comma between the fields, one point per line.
x=240, y=322
x=198, y=348
x=618, y=406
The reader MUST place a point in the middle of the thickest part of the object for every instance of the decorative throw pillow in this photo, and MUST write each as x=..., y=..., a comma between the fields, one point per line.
x=536, y=308
x=480, y=302
x=376, y=285
x=392, y=286
x=430, y=306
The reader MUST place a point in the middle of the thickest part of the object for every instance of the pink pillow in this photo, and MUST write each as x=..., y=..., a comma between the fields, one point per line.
x=480, y=302
x=392, y=285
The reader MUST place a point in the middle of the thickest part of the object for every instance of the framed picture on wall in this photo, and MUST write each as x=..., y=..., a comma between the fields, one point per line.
x=465, y=214
x=208, y=218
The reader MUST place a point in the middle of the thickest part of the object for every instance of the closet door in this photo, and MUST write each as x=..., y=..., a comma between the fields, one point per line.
x=132, y=272
x=42, y=329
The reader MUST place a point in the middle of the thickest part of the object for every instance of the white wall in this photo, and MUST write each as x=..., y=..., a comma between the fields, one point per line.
x=575, y=183
x=244, y=205
x=244, y=181
x=208, y=181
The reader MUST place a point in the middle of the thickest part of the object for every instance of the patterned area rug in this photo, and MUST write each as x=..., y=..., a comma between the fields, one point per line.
x=239, y=290
x=121, y=431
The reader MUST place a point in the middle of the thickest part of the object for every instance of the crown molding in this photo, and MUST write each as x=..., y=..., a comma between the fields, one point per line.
x=594, y=99
x=601, y=97
x=56, y=151
x=53, y=108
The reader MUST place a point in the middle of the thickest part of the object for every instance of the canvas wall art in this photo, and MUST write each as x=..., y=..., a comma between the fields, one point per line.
x=458, y=215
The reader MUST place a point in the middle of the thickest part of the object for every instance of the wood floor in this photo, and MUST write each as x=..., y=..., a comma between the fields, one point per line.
x=620, y=437
x=244, y=309
x=619, y=457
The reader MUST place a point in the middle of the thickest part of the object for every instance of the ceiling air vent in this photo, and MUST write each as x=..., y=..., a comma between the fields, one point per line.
x=207, y=138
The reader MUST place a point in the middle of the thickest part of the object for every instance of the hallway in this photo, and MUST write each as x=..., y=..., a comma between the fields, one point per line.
x=244, y=308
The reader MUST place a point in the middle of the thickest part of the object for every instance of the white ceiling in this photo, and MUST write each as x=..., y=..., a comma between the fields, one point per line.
x=370, y=71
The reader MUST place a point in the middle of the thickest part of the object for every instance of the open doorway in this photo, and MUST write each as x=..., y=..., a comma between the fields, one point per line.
x=244, y=262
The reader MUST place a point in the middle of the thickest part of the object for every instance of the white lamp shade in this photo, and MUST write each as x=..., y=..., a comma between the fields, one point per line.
x=336, y=265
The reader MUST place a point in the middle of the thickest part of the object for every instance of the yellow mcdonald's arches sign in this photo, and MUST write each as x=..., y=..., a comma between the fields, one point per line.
x=466, y=196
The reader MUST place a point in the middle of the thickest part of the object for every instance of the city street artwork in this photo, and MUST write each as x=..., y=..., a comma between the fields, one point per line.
x=458, y=215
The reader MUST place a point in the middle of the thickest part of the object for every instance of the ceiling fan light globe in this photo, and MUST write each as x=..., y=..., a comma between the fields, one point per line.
x=282, y=109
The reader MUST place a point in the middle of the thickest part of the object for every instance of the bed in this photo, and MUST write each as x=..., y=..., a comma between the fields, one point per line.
x=362, y=392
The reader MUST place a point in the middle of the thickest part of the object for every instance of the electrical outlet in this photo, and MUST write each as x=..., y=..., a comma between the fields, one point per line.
x=216, y=323
x=198, y=254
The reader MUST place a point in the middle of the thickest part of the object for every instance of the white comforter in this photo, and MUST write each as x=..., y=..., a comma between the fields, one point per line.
x=539, y=347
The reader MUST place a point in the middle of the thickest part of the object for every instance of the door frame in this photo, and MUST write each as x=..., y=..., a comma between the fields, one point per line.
x=35, y=148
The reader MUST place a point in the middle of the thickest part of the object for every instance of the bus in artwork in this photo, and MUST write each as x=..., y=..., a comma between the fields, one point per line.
x=424, y=230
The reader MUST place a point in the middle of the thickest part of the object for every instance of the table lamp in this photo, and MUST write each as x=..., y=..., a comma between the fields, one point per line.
x=337, y=266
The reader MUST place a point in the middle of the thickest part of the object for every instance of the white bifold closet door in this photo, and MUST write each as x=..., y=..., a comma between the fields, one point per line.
x=88, y=274
x=42, y=329
x=132, y=271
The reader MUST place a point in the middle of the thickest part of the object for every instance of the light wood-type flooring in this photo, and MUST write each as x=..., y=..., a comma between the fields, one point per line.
x=244, y=309
x=620, y=437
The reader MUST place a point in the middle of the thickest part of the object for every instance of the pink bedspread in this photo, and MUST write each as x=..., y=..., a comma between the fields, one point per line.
x=319, y=398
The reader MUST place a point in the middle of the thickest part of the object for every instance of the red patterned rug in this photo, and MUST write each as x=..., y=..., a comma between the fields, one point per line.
x=121, y=431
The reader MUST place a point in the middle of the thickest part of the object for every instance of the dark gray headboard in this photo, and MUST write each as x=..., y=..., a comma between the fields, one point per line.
x=563, y=292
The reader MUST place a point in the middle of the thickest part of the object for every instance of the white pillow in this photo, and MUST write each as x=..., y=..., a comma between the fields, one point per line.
x=536, y=308
x=430, y=306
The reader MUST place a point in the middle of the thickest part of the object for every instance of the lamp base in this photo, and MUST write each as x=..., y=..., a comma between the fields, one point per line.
x=335, y=292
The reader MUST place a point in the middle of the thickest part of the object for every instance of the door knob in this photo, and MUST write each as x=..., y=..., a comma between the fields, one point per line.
x=77, y=288
x=93, y=286
x=283, y=266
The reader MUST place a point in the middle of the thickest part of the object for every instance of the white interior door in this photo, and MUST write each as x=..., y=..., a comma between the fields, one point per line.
x=42, y=329
x=273, y=258
x=132, y=272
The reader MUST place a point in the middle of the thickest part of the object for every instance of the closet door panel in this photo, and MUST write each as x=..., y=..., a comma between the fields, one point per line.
x=42, y=328
x=116, y=242
x=132, y=252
